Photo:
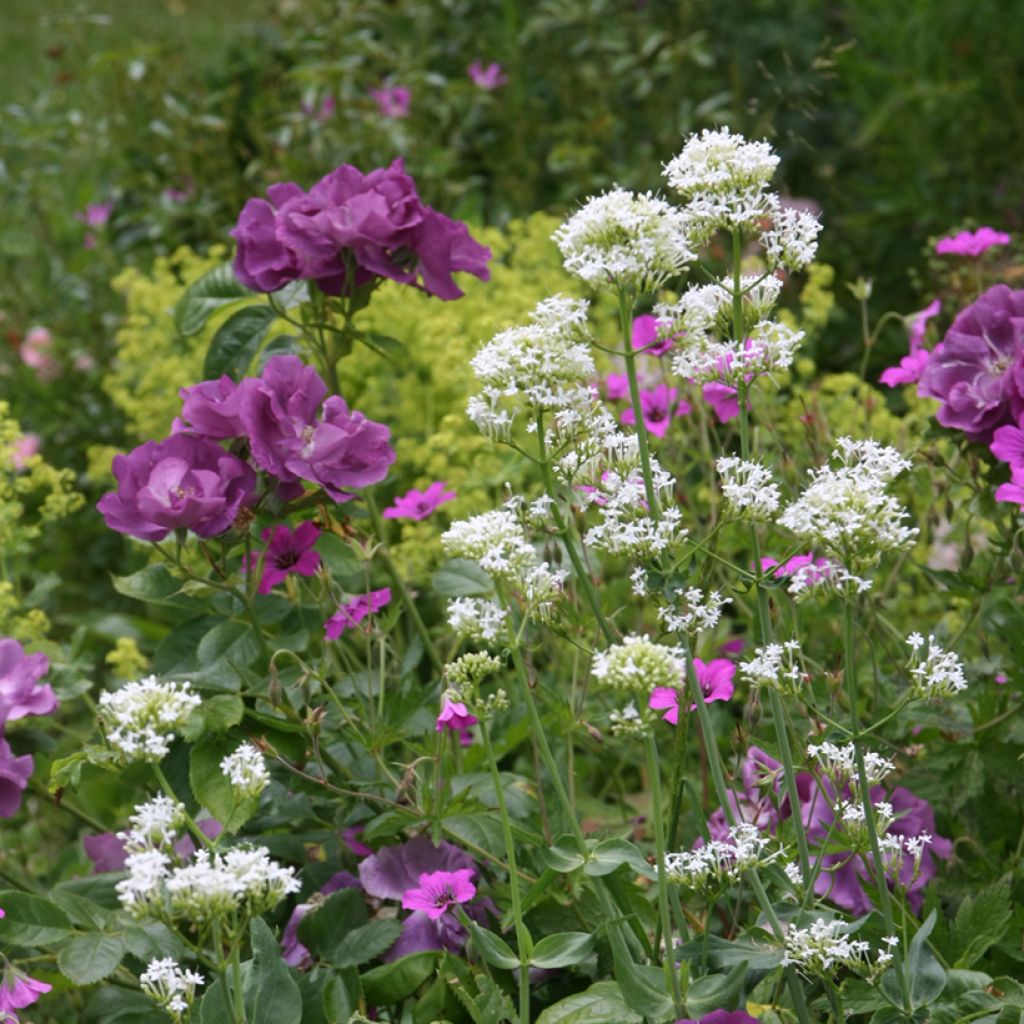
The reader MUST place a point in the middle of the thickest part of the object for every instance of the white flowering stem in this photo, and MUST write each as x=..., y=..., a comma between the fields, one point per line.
x=668, y=960
x=523, y=940
x=626, y=323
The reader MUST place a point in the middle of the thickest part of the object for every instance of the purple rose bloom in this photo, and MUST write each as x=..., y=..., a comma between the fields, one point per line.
x=262, y=262
x=213, y=408
x=14, y=776
x=19, y=674
x=978, y=373
x=444, y=246
x=184, y=482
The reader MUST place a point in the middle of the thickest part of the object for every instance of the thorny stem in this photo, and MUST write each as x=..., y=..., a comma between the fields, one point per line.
x=626, y=321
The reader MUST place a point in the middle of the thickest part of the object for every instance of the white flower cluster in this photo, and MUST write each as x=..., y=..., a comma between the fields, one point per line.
x=638, y=665
x=895, y=850
x=935, y=674
x=748, y=487
x=477, y=619
x=825, y=947
x=630, y=722
x=247, y=771
x=839, y=763
x=792, y=240
x=854, y=824
x=543, y=367
x=708, y=868
x=776, y=666
x=694, y=613
x=821, y=577
x=142, y=717
x=846, y=509
x=718, y=163
x=170, y=986
x=625, y=240
x=155, y=825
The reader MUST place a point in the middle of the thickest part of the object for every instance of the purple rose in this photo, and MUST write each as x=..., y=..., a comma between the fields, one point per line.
x=214, y=408
x=19, y=675
x=262, y=262
x=14, y=776
x=978, y=371
x=184, y=482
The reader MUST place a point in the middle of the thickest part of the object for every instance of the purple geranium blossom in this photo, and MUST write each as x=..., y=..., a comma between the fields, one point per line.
x=1008, y=445
x=18, y=990
x=813, y=570
x=908, y=371
x=971, y=243
x=456, y=716
x=392, y=100
x=293, y=952
x=419, y=504
x=95, y=215
x=183, y=482
x=14, y=776
x=645, y=336
x=723, y=400
x=722, y=1017
x=658, y=406
x=616, y=387
x=438, y=891
x=716, y=683
x=1013, y=491
x=487, y=78
x=288, y=551
x=978, y=373
x=20, y=694
x=349, y=615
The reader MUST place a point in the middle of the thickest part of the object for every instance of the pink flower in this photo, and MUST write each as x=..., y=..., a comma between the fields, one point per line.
x=183, y=194
x=1002, y=679
x=348, y=616
x=95, y=215
x=24, y=448
x=288, y=551
x=716, y=683
x=1014, y=490
x=1008, y=445
x=35, y=353
x=658, y=406
x=419, y=504
x=392, y=101
x=488, y=78
x=645, y=336
x=723, y=400
x=734, y=645
x=616, y=387
x=439, y=890
x=815, y=570
x=971, y=243
x=18, y=990
x=908, y=371
x=455, y=715
x=919, y=323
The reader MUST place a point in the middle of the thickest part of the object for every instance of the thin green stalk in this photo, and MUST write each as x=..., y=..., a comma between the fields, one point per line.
x=238, y=996
x=668, y=959
x=626, y=321
x=678, y=779
x=165, y=785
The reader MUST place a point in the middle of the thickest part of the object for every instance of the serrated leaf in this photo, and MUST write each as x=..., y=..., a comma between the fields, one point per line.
x=89, y=958
x=110, y=1005
x=229, y=641
x=365, y=943
x=562, y=950
x=208, y=293
x=602, y=1003
x=32, y=920
x=236, y=342
x=152, y=584
x=490, y=1005
x=271, y=994
x=981, y=921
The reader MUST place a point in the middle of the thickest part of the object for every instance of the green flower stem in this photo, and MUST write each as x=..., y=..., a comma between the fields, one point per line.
x=626, y=322
x=668, y=960
x=238, y=996
x=523, y=940
x=396, y=579
x=197, y=832
x=864, y=787
x=678, y=779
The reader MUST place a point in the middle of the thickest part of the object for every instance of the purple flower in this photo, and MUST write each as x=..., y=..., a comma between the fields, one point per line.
x=971, y=243
x=326, y=110
x=184, y=482
x=288, y=551
x=1014, y=490
x=438, y=891
x=487, y=78
x=977, y=374
x=734, y=645
x=36, y=353
x=722, y=1017
x=18, y=990
x=348, y=616
x=455, y=715
x=213, y=408
x=658, y=406
x=616, y=387
x=645, y=336
x=814, y=570
x=1008, y=445
x=716, y=683
x=419, y=504
x=908, y=371
x=14, y=776
x=392, y=100
x=723, y=400
x=919, y=323
x=19, y=675
x=262, y=262
x=107, y=852
x=350, y=836
x=95, y=215
x=293, y=951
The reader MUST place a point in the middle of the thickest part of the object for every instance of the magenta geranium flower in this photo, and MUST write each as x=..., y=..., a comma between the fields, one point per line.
x=813, y=569
x=455, y=716
x=18, y=990
x=645, y=336
x=487, y=78
x=716, y=683
x=288, y=551
x=658, y=407
x=440, y=890
x=20, y=692
x=723, y=400
x=971, y=243
x=348, y=616
x=722, y=1017
x=95, y=215
x=419, y=504
x=1008, y=445
x=392, y=100
x=1014, y=490
x=907, y=371
x=616, y=387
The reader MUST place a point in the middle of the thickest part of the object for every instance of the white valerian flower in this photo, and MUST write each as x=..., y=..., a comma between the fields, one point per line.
x=638, y=665
x=477, y=618
x=840, y=764
x=142, y=891
x=794, y=875
x=935, y=674
x=824, y=948
x=748, y=487
x=625, y=240
x=775, y=665
x=155, y=825
x=171, y=986
x=247, y=771
x=630, y=722
x=694, y=611
x=717, y=863
x=853, y=821
x=846, y=508
x=792, y=240
x=719, y=163
x=638, y=577
x=142, y=717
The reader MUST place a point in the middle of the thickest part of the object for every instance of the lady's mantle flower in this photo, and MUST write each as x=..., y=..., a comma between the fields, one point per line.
x=419, y=504
x=170, y=986
x=288, y=551
x=247, y=772
x=440, y=890
x=455, y=716
x=348, y=616
x=716, y=683
x=142, y=717
x=18, y=990
x=658, y=406
x=971, y=243
x=392, y=100
x=487, y=78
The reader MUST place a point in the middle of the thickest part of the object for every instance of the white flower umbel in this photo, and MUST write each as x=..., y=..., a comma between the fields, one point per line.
x=718, y=863
x=142, y=717
x=792, y=240
x=171, y=986
x=541, y=368
x=846, y=508
x=155, y=825
x=853, y=822
x=719, y=163
x=935, y=674
x=625, y=240
x=824, y=948
x=693, y=612
x=776, y=666
x=477, y=618
x=142, y=892
x=247, y=771
x=638, y=665
x=749, y=490
x=839, y=763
